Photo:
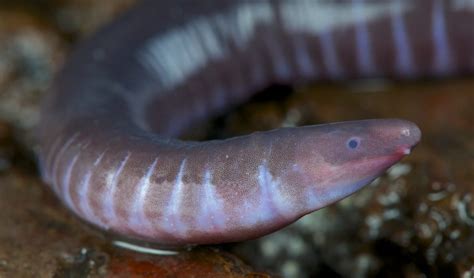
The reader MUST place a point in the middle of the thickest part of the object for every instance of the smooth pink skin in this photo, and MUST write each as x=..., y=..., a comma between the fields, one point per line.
x=310, y=166
x=317, y=168
x=107, y=135
x=336, y=171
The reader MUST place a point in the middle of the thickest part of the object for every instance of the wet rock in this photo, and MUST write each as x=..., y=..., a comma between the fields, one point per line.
x=29, y=53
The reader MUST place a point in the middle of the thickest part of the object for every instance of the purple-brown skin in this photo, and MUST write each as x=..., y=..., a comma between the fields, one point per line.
x=107, y=132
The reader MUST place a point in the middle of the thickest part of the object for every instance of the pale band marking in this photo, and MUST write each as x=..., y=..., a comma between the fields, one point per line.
x=318, y=17
x=183, y=51
x=272, y=202
x=303, y=58
x=108, y=203
x=138, y=220
x=442, y=52
x=49, y=159
x=281, y=66
x=83, y=194
x=404, y=60
x=55, y=183
x=363, y=43
x=211, y=215
x=329, y=54
x=66, y=183
x=172, y=215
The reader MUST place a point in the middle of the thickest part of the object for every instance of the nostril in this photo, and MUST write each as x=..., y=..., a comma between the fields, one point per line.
x=410, y=132
x=406, y=132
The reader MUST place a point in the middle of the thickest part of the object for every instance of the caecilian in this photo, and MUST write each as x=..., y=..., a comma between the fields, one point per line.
x=108, y=136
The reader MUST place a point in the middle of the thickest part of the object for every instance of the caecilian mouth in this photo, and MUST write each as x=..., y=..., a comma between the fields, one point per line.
x=403, y=150
x=406, y=151
x=381, y=163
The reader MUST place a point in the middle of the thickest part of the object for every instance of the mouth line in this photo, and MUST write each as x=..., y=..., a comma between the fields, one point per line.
x=385, y=161
x=405, y=150
x=402, y=151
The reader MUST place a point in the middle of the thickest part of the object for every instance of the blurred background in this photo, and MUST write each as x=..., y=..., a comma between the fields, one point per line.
x=415, y=221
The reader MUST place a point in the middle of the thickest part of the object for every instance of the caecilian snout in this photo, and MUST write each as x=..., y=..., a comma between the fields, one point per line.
x=409, y=136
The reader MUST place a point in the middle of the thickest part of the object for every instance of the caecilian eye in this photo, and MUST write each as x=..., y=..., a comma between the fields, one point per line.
x=353, y=143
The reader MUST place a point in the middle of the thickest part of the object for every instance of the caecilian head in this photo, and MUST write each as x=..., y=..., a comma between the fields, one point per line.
x=338, y=159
